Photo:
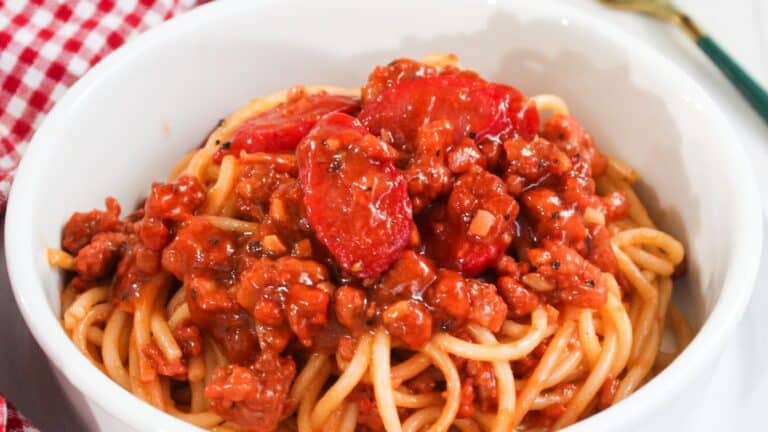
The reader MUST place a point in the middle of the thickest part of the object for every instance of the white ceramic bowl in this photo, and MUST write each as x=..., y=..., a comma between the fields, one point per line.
x=127, y=120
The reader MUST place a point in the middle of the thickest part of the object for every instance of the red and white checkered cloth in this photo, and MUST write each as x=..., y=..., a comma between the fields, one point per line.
x=11, y=420
x=46, y=45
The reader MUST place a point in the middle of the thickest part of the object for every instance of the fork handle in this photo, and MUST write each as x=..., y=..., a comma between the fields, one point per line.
x=749, y=88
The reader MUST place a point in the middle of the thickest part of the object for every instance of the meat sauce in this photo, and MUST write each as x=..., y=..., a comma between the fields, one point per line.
x=420, y=207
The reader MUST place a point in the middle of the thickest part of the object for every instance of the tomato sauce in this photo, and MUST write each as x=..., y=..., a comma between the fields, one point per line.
x=422, y=213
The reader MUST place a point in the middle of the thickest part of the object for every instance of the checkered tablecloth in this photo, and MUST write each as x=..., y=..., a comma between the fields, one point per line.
x=11, y=420
x=46, y=45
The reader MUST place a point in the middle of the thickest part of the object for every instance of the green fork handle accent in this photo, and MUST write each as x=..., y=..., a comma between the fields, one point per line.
x=749, y=88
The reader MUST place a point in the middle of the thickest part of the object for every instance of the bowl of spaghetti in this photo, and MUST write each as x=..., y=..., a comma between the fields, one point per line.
x=318, y=226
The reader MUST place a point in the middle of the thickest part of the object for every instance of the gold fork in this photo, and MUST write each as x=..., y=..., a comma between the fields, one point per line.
x=665, y=10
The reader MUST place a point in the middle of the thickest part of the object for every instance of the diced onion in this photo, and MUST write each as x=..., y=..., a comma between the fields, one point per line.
x=272, y=243
x=482, y=222
x=537, y=282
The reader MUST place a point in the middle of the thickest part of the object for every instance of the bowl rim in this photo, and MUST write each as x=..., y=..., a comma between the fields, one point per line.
x=123, y=405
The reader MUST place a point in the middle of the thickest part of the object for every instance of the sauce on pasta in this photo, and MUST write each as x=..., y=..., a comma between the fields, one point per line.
x=432, y=251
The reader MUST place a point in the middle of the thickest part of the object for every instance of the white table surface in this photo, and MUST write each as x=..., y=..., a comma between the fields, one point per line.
x=738, y=394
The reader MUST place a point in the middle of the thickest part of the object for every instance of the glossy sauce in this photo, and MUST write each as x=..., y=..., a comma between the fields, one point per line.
x=419, y=223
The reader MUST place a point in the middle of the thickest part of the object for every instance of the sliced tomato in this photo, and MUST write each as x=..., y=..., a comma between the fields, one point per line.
x=356, y=200
x=399, y=70
x=281, y=128
x=475, y=107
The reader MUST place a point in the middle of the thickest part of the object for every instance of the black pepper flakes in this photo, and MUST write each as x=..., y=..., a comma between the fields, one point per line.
x=226, y=145
x=590, y=283
x=472, y=135
x=556, y=264
x=336, y=163
x=254, y=247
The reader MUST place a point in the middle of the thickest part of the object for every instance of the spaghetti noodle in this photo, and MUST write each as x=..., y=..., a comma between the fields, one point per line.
x=325, y=262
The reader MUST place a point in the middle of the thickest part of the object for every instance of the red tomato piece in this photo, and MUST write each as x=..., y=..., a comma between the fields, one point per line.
x=357, y=201
x=475, y=107
x=399, y=70
x=282, y=127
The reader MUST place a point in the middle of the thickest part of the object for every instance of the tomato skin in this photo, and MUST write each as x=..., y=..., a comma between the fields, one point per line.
x=281, y=128
x=476, y=108
x=356, y=199
x=399, y=70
